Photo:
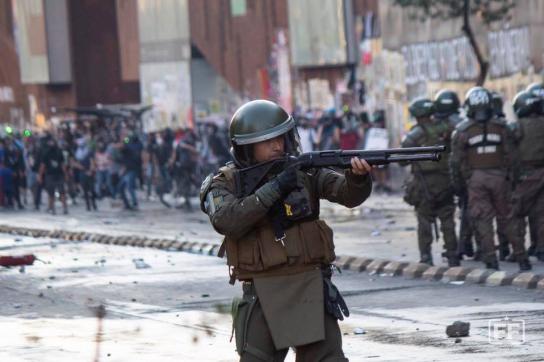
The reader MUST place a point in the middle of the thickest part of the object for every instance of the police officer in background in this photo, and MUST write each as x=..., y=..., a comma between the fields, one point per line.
x=429, y=189
x=528, y=196
x=275, y=243
x=482, y=160
x=502, y=223
x=446, y=109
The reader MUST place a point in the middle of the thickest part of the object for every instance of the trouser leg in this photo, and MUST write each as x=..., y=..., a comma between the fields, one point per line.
x=329, y=349
x=447, y=225
x=424, y=232
x=259, y=340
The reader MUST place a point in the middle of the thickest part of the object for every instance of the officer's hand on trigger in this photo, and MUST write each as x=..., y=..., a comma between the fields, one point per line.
x=287, y=180
x=360, y=166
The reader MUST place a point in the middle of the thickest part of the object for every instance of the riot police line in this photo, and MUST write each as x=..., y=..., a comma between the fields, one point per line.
x=493, y=170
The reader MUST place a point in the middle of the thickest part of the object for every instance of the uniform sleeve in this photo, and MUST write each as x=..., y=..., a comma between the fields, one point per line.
x=346, y=189
x=231, y=216
x=457, y=160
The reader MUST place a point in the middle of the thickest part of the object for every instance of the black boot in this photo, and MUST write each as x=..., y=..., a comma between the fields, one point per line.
x=426, y=259
x=531, y=251
x=540, y=256
x=494, y=264
x=469, y=249
x=525, y=265
x=453, y=261
x=503, y=253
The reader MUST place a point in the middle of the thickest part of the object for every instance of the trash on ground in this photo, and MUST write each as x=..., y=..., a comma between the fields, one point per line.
x=8, y=261
x=139, y=263
x=375, y=233
x=359, y=330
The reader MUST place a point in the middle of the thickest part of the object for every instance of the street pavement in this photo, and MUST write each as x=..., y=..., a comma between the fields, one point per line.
x=173, y=306
x=384, y=227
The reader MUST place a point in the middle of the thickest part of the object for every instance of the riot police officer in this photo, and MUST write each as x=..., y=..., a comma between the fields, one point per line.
x=446, y=109
x=504, y=244
x=528, y=196
x=429, y=187
x=275, y=243
x=481, y=160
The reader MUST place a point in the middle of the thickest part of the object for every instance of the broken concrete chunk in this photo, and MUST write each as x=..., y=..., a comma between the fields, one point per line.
x=458, y=329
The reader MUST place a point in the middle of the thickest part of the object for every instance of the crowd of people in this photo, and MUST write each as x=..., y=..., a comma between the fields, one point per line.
x=94, y=161
x=90, y=162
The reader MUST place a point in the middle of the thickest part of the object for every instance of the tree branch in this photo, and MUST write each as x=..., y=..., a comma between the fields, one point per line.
x=483, y=63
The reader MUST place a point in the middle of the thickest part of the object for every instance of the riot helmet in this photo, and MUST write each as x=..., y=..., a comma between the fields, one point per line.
x=478, y=104
x=446, y=103
x=526, y=104
x=537, y=89
x=258, y=121
x=421, y=108
x=497, y=104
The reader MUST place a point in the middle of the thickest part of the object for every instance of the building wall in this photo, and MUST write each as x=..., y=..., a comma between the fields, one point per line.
x=237, y=47
x=96, y=56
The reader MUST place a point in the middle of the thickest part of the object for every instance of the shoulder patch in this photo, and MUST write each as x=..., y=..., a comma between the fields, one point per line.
x=204, y=189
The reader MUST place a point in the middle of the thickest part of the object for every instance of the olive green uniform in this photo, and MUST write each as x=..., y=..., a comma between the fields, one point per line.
x=482, y=157
x=283, y=302
x=429, y=188
x=528, y=196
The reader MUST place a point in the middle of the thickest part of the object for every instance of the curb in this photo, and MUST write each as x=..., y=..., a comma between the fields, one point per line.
x=121, y=240
x=346, y=262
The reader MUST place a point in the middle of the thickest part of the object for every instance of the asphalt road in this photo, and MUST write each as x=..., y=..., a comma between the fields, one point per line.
x=176, y=309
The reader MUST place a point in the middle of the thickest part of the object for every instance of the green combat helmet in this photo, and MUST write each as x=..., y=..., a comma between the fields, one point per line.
x=446, y=103
x=478, y=104
x=421, y=107
x=537, y=90
x=258, y=121
x=526, y=104
x=497, y=104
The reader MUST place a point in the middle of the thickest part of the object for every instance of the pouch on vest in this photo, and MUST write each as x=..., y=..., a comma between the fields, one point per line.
x=241, y=309
x=411, y=191
x=318, y=241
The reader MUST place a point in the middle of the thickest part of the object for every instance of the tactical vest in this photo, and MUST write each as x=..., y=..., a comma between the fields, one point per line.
x=307, y=244
x=531, y=145
x=485, y=144
x=437, y=133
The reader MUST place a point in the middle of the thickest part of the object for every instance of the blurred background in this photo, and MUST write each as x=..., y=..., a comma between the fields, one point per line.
x=197, y=60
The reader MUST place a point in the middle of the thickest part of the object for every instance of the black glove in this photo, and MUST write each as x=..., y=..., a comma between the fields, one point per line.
x=279, y=187
x=286, y=180
x=334, y=302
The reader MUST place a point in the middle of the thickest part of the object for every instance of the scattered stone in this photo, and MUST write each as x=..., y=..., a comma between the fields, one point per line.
x=49, y=287
x=457, y=340
x=409, y=228
x=133, y=299
x=359, y=330
x=205, y=295
x=17, y=240
x=458, y=329
x=17, y=305
x=52, y=277
x=40, y=295
x=22, y=269
x=139, y=263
